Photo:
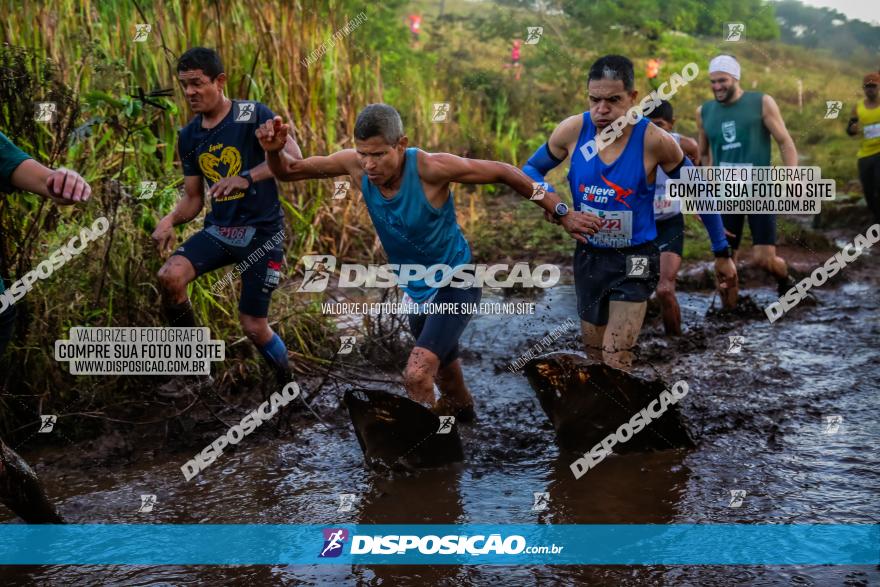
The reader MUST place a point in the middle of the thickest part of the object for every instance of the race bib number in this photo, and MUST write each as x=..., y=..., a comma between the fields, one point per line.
x=616, y=230
x=662, y=204
x=236, y=236
x=872, y=131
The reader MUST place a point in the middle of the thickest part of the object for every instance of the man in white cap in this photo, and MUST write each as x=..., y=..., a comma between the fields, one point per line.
x=735, y=129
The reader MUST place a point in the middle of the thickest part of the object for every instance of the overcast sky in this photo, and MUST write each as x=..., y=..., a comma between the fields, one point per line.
x=866, y=10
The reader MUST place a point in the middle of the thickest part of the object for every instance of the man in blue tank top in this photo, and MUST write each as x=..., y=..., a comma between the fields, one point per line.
x=407, y=194
x=617, y=270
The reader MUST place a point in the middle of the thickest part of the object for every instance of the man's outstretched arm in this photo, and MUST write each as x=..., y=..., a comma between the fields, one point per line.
x=287, y=164
x=63, y=186
x=446, y=168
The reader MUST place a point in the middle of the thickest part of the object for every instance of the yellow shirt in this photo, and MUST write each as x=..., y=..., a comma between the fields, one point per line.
x=869, y=120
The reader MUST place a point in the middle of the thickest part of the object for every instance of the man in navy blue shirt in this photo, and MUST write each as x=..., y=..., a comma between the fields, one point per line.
x=245, y=225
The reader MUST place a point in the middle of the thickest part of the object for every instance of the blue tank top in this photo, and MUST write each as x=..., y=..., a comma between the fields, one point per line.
x=618, y=193
x=412, y=231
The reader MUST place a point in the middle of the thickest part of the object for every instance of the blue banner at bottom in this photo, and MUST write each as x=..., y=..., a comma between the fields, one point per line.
x=469, y=544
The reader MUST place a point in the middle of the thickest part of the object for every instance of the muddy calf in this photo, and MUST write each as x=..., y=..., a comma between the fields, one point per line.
x=587, y=401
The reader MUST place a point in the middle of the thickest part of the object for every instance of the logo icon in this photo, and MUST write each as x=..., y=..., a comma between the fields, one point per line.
x=833, y=108
x=539, y=190
x=534, y=35
x=736, y=498
x=273, y=273
x=47, y=423
x=736, y=344
x=317, y=272
x=244, y=111
x=141, y=31
x=441, y=112
x=728, y=130
x=446, y=423
x=148, y=501
x=735, y=31
x=622, y=193
x=347, y=345
x=341, y=189
x=636, y=266
x=542, y=501
x=346, y=502
x=148, y=188
x=832, y=424
x=334, y=538
x=45, y=111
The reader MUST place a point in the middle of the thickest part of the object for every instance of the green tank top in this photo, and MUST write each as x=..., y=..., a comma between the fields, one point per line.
x=736, y=132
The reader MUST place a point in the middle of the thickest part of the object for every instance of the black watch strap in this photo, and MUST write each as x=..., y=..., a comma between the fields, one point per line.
x=247, y=176
x=725, y=253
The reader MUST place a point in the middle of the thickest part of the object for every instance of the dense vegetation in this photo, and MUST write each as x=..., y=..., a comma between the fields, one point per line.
x=80, y=54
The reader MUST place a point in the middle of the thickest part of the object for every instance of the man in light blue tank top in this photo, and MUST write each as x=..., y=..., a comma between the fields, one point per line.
x=407, y=194
x=617, y=270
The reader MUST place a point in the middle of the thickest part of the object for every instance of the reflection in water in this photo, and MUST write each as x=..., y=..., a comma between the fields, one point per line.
x=432, y=496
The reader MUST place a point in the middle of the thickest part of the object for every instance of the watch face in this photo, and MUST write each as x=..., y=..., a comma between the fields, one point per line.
x=561, y=209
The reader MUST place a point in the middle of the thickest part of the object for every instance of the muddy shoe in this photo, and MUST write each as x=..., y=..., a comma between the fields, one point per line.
x=809, y=300
x=463, y=414
x=783, y=285
x=185, y=385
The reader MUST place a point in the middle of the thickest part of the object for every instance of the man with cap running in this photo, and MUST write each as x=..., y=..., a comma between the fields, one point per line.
x=866, y=118
x=735, y=129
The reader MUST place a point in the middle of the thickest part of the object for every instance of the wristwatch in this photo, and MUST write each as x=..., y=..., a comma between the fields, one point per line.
x=247, y=175
x=725, y=253
x=560, y=210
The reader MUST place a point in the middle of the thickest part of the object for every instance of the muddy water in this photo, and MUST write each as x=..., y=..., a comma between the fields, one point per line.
x=758, y=417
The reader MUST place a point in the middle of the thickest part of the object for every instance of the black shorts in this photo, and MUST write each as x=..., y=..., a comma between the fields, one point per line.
x=763, y=227
x=257, y=260
x=439, y=333
x=601, y=276
x=670, y=235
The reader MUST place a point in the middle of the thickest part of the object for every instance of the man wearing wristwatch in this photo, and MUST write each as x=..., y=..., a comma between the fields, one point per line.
x=617, y=269
x=245, y=224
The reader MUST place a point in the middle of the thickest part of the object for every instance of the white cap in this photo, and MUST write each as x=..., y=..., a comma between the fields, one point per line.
x=725, y=64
